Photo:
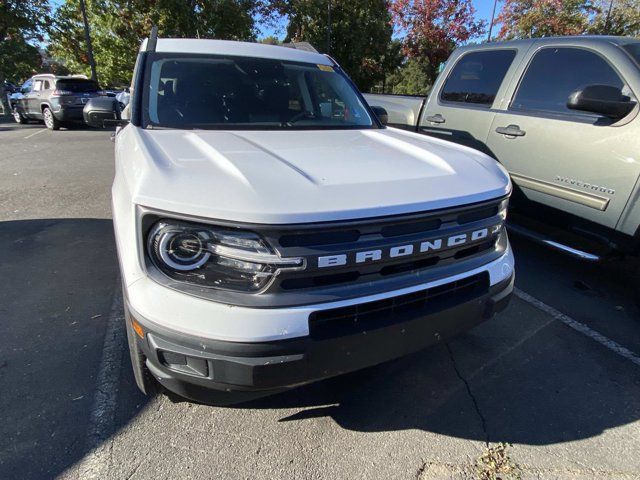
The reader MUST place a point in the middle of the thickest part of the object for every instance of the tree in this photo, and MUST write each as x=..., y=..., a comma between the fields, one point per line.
x=360, y=33
x=410, y=79
x=544, y=18
x=270, y=40
x=21, y=26
x=391, y=62
x=618, y=17
x=118, y=27
x=432, y=29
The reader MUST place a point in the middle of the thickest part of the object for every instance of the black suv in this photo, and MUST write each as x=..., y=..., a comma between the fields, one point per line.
x=54, y=100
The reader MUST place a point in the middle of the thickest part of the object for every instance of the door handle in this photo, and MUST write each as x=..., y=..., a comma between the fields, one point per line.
x=437, y=118
x=511, y=131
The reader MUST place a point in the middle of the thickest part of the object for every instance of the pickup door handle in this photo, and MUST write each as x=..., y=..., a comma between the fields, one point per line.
x=511, y=131
x=437, y=118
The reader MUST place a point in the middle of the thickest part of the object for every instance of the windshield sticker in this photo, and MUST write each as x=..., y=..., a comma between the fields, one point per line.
x=326, y=68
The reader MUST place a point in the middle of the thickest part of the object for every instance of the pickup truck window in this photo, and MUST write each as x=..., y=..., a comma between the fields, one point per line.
x=477, y=76
x=227, y=92
x=633, y=49
x=554, y=73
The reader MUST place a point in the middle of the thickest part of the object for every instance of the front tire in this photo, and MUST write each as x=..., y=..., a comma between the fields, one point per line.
x=51, y=122
x=17, y=116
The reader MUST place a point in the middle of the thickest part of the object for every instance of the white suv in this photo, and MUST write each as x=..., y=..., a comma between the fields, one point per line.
x=272, y=232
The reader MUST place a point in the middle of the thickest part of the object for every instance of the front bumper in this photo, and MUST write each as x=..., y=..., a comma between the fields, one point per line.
x=196, y=367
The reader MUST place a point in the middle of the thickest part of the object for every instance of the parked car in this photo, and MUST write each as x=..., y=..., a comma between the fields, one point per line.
x=54, y=100
x=561, y=114
x=19, y=93
x=272, y=232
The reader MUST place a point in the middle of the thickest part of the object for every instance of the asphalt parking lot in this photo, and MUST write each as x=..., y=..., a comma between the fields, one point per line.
x=556, y=376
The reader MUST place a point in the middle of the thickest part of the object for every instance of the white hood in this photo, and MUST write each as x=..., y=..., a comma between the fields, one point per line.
x=290, y=176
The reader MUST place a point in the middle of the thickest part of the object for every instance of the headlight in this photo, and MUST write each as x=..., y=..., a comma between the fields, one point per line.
x=215, y=257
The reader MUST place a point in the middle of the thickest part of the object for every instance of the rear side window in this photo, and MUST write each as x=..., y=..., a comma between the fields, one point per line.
x=633, y=49
x=554, y=73
x=477, y=76
x=77, y=85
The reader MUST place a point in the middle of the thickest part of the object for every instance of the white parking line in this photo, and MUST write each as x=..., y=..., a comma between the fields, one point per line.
x=580, y=327
x=96, y=461
x=36, y=133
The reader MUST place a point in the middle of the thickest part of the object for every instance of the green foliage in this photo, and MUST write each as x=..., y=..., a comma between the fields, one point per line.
x=18, y=60
x=544, y=18
x=270, y=40
x=21, y=26
x=360, y=33
x=412, y=78
x=624, y=19
x=119, y=26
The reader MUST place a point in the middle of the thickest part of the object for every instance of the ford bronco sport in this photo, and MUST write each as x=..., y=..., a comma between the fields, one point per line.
x=272, y=232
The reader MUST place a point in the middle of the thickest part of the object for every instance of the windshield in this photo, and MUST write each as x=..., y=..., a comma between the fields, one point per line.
x=77, y=85
x=224, y=92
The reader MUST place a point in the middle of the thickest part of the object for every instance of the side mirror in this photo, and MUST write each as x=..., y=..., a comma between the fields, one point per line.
x=602, y=99
x=381, y=113
x=100, y=112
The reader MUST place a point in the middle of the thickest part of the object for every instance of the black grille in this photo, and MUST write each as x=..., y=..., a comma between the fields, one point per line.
x=314, y=285
x=313, y=241
x=337, y=322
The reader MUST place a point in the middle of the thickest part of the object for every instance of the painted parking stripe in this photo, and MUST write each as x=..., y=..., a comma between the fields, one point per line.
x=579, y=327
x=105, y=400
x=36, y=133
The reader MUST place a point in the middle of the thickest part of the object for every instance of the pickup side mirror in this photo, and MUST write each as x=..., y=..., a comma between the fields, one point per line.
x=381, y=113
x=100, y=112
x=602, y=99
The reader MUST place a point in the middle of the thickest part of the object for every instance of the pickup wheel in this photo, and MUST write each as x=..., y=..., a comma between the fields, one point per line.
x=144, y=380
x=51, y=122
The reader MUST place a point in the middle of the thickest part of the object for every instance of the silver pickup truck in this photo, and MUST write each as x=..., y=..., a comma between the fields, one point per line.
x=561, y=114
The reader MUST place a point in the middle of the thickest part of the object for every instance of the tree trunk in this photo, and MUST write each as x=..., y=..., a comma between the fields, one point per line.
x=4, y=101
x=87, y=38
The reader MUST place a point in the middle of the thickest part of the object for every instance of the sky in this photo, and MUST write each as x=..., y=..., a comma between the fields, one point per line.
x=483, y=12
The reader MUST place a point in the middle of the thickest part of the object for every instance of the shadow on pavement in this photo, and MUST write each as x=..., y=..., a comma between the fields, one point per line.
x=542, y=385
x=8, y=124
x=519, y=378
x=58, y=281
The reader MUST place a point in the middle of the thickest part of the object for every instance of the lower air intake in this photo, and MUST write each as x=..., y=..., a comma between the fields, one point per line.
x=338, y=322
